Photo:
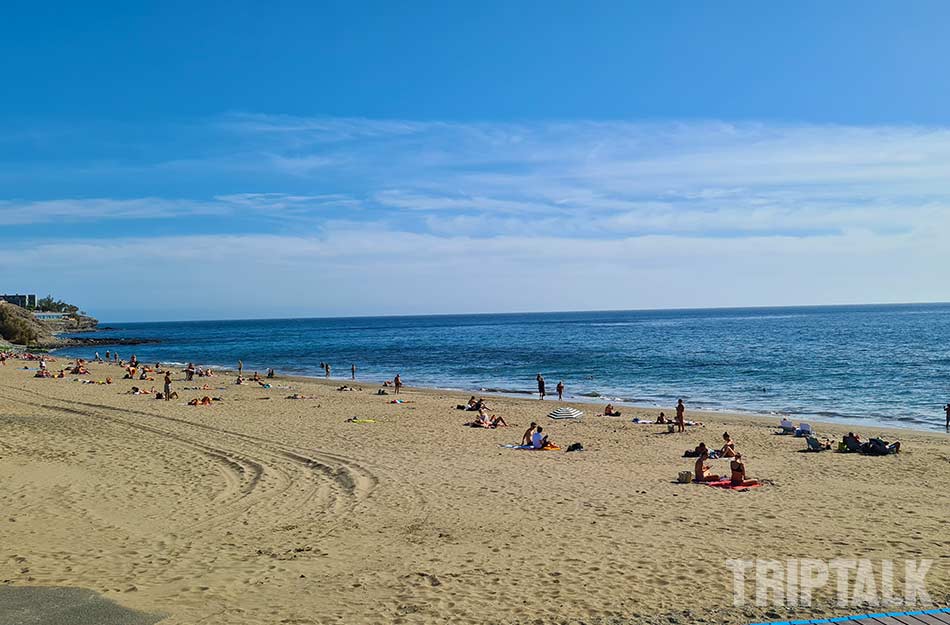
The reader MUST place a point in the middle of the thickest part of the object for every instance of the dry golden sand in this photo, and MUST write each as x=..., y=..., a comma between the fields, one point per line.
x=262, y=509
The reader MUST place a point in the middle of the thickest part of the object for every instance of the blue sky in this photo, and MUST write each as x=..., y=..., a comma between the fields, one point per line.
x=171, y=161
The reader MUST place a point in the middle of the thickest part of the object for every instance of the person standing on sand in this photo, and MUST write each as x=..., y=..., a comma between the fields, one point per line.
x=353, y=371
x=680, y=416
x=560, y=390
x=168, y=385
x=397, y=383
x=240, y=367
x=540, y=386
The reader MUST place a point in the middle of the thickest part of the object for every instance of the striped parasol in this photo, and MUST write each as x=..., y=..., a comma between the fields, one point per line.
x=565, y=412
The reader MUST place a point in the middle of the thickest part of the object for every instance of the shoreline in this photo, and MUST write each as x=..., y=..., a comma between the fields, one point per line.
x=842, y=420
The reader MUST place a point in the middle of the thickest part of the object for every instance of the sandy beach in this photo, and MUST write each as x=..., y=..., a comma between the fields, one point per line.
x=262, y=509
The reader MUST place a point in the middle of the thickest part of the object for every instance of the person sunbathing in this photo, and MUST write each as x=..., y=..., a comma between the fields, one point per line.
x=486, y=421
x=662, y=419
x=472, y=404
x=526, y=439
x=700, y=450
x=610, y=412
x=738, y=478
x=729, y=447
x=204, y=401
x=701, y=469
x=880, y=447
x=852, y=442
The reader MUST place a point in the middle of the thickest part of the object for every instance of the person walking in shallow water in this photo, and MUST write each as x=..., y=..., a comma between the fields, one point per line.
x=328, y=369
x=353, y=371
x=540, y=386
x=560, y=390
x=680, y=416
x=240, y=367
x=946, y=409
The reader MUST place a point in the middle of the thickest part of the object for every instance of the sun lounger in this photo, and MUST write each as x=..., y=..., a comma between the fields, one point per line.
x=816, y=445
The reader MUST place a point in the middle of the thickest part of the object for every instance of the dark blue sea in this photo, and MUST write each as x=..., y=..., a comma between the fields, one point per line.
x=879, y=364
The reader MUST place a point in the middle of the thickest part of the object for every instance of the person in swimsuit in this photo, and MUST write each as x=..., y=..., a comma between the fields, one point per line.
x=662, y=419
x=738, y=478
x=168, y=386
x=701, y=469
x=540, y=386
x=560, y=390
x=680, y=416
x=946, y=409
x=610, y=412
x=728, y=448
x=397, y=382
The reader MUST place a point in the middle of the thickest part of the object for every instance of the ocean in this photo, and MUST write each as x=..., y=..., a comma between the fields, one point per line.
x=884, y=365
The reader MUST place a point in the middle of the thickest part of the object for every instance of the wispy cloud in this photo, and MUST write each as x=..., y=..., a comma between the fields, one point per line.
x=734, y=213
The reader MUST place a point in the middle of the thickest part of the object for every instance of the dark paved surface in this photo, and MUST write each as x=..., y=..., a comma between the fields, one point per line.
x=50, y=605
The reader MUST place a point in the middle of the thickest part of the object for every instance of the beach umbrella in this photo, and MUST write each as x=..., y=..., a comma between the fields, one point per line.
x=565, y=413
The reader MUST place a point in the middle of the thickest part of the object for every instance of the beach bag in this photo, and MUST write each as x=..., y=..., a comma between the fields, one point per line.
x=685, y=477
x=575, y=447
x=671, y=428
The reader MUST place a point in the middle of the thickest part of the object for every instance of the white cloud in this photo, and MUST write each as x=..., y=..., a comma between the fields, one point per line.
x=405, y=216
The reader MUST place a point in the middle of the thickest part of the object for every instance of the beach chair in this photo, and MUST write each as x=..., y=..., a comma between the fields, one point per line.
x=804, y=429
x=852, y=446
x=816, y=445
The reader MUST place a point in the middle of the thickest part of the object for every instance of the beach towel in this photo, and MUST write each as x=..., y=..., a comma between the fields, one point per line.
x=728, y=485
x=530, y=448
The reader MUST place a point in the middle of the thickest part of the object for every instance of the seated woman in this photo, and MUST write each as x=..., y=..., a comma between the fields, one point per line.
x=701, y=469
x=610, y=412
x=662, y=419
x=738, y=477
x=729, y=447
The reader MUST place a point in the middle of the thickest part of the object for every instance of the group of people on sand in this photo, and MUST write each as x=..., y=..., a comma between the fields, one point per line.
x=702, y=472
x=484, y=418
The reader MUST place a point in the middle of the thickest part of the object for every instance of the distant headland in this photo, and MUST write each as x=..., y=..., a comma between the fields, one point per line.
x=39, y=323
